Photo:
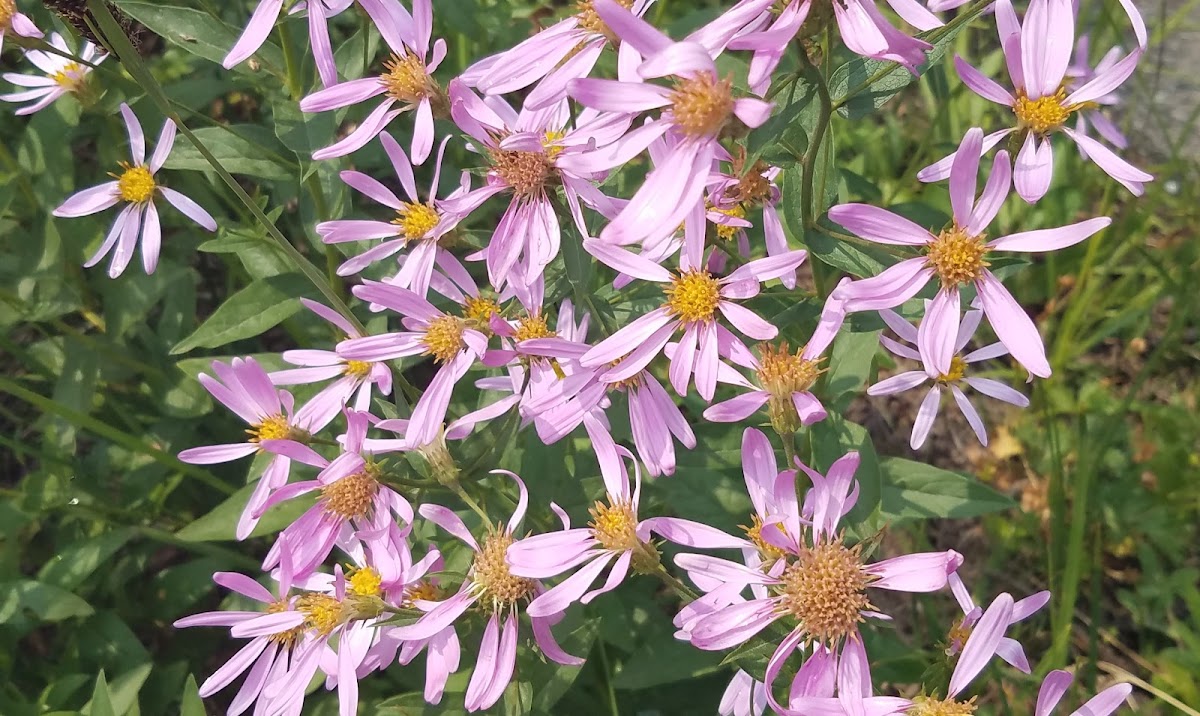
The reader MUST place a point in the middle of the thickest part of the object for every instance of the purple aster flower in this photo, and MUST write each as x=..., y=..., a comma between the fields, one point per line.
x=957, y=256
x=137, y=187
x=16, y=22
x=61, y=75
x=1008, y=649
x=950, y=380
x=782, y=382
x=408, y=81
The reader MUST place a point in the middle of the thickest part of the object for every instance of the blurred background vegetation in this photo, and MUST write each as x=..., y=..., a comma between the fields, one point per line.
x=106, y=538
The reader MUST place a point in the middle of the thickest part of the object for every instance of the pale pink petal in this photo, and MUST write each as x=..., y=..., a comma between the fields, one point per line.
x=879, y=225
x=89, y=201
x=1130, y=176
x=189, y=208
x=963, y=175
x=255, y=34
x=1012, y=325
x=926, y=414
x=1034, y=167
x=738, y=408
x=981, y=84
x=1050, y=239
x=898, y=383
x=921, y=572
x=980, y=648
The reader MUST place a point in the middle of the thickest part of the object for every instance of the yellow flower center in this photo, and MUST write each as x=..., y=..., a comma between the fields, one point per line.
x=364, y=582
x=7, y=9
x=769, y=552
x=693, y=296
x=136, y=184
x=957, y=257
x=351, y=496
x=782, y=372
x=478, y=312
x=548, y=142
x=631, y=382
x=273, y=428
x=531, y=327
x=406, y=79
x=289, y=637
x=444, y=338
x=526, y=172
x=499, y=587
x=425, y=591
x=958, y=368
x=358, y=369
x=825, y=591
x=321, y=612
x=927, y=706
x=702, y=105
x=416, y=220
x=70, y=77
x=958, y=636
x=752, y=188
x=1044, y=114
x=614, y=526
x=727, y=231
x=589, y=19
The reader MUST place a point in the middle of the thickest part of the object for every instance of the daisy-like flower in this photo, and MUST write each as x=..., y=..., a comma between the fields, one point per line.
x=352, y=495
x=782, y=381
x=60, y=75
x=1038, y=52
x=407, y=81
x=831, y=683
x=137, y=187
x=692, y=300
x=418, y=226
x=244, y=387
x=956, y=256
x=733, y=196
x=695, y=110
x=1055, y=686
x=558, y=54
x=16, y=22
x=1008, y=649
x=492, y=587
x=863, y=28
x=530, y=153
x=455, y=342
x=354, y=378
x=951, y=379
x=262, y=21
x=818, y=584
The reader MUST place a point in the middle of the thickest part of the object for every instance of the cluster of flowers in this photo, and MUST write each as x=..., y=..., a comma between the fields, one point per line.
x=570, y=133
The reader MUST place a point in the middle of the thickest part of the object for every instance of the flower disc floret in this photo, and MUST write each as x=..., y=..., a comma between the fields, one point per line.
x=70, y=77
x=289, y=637
x=781, y=372
x=478, y=312
x=957, y=257
x=444, y=338
x=416, y=220
x=769, y=552
x=136, y=184
x=958, y=368
x=526, y=172
x=693, y=296
x=614, y=526
x=498, y=586
x=351, y=496
x=1044, y=114
x=727, y=231
x=702, y=105
x=274, y=427
x=322, y=613
x=8, y=8
x=406, y=79
x=358, y=369
x=531, y=327
x=364, y=582
x=926, y=706
x=753, y=188
x=825, y=591
x=423, y=591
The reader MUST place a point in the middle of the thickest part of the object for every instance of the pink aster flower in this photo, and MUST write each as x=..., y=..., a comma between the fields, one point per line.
x=1038, y=52
x=1008, y=649
x=863, y=28
x=262, y=21
x=268, y=653
x=957, y=256
x=137, y=187
x=1055, y=686
x=492, y=586
x=951, y=379
x=407, y=81
x=792, y=594
x=695, y=110
x=782, y=382
x=530, y=152
x=454, y=342
x=353, y=500
x=16, y=22
x=61, y=75
x=354, y=378
x=556, y=55
x=693, y=299
x=734, y=195
x=418, y=226
x=830, y=683
x=244, y=387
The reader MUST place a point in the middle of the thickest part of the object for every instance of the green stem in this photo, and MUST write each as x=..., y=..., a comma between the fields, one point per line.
x=608, y=685
x=291, y=66
x=814, y=146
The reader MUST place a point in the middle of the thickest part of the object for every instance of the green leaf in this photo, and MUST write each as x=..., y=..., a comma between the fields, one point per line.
x=665, y=660
x=261, y=305
x=832, y=438
x=199, y=33
x=241, y=149
x=221, y=523
x=76, y=562
x=849, y=367
x=190, y=703
x=101, y=703
x=862, y=85
x=47, y=602
x=783, y=139
x=914, y=490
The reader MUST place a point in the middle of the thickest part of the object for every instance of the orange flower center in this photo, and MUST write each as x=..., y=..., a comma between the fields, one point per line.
x=957, y=257
x=702, y=105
